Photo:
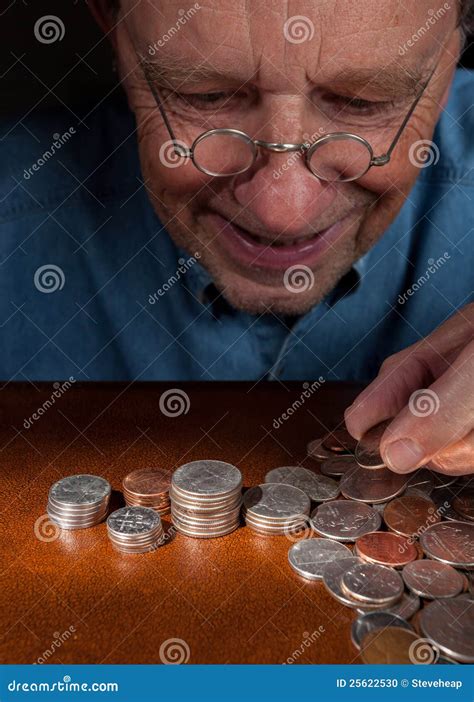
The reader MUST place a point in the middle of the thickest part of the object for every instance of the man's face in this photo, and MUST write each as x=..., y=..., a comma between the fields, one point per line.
x=282, y=72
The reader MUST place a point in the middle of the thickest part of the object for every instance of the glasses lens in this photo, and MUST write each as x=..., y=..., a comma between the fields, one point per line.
x=223, y=153
x=340, y=158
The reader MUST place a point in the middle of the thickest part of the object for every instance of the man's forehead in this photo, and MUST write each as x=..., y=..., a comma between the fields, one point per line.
x=271, y=41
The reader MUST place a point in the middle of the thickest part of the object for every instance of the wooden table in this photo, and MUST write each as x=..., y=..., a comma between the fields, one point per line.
x=231, y=600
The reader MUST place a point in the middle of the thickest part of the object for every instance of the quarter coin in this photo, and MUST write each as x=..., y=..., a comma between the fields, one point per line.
x=319, y=488
x=372, y=583
x=343, y=520
x=372, y=486
x=432, y=580
x=450, y=625
x=310, y=557
x=450, y=542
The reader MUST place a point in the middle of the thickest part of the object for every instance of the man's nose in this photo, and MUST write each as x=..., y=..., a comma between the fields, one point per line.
x=283, y=194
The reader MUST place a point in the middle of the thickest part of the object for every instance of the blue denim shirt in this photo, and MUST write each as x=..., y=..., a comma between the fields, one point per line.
x=92, y=286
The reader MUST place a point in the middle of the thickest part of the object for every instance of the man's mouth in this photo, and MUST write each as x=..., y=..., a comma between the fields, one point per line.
x=277, y=252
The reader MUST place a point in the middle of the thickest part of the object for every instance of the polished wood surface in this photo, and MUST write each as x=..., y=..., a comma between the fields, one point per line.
x=231, y=600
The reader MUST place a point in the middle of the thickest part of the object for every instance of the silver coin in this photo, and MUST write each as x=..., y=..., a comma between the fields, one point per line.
x=319, y=488
x=441, y=481
x=443, y=501
x=309, y=557
x=432, y=580
x=367, y=451
x=343, y=520
x=464, y=504
x=276, y=501
x=80, y=490
x=373, y=621
x=450, y=542
x=338, y=465
x=450, y=625
x=421, y=481
x=372, y=583
x=316, y=450
x=332, y=577
x=373, y=486
x=405, y=608
x=207, y=479
x=133, y=520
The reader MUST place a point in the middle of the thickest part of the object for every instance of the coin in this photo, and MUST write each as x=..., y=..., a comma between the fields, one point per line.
x=148, y=487
x=372, y=583
x=315, y=449
x=78, y=501
x=441, y=480
x=367, y=451
x=336, y=466
x=405, y=608
x=372, y=486
x=339, y=441
x=432, y=580
x=274, y=508
x=385, y=548
x=374, y=621
x=464, y=504
x=409, y=514
x=389, y=645
x=319, y=488
x=450, y=625
x=344, y=521
x=442, y=499
x=332, y=576
x=206, y=479
x=450, y=542
x=134, y=529
x=420, y=482
x=309, y=557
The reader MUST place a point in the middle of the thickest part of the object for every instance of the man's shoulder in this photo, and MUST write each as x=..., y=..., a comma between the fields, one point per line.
x=50, y=157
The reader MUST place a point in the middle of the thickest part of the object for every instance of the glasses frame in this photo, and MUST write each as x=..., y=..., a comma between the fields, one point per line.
x=182, y=151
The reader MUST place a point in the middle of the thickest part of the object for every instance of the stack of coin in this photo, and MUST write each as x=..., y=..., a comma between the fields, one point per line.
x=148, y=487
x=206, y=497
x=78, y=501
x=276, y=508
x=135, y=529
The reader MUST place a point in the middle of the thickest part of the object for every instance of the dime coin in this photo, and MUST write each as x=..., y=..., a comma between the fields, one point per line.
x=372, y=583
x=344, y=521
x=337, y=466
x=310, y=557
x=385, y=548
x=372, y=486
x=450, y=542
x=315, y=449
x=464, y=504
x=339, y=441
x=135, y=529
x=367, y=451
x=374, y=621
x=409, y=514
x=432, y=580
x=332, y=576
x=319, y=488
x=450, y=625
x=389, y=645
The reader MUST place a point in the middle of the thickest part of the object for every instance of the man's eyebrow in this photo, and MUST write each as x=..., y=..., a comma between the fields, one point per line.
x=173, y=72
x=391, y=82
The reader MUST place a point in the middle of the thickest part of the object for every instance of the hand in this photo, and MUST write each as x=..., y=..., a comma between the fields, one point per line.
x=429, y=391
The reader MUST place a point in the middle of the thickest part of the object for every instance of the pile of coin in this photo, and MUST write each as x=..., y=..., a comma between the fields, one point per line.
x=135, y=529
x=206, y=497
x=276, y=508
x=148, y=487
x=78, y=501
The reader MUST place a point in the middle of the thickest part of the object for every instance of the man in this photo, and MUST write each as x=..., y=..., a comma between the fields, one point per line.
x=326, y=230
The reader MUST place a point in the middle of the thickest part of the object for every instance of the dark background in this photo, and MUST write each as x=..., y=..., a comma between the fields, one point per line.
x=69, y=70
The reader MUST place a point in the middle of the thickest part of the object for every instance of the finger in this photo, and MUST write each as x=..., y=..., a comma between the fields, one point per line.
x=434, y=418
x=457, y=460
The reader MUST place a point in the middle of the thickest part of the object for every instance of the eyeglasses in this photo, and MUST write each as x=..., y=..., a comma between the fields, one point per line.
x=334, y=157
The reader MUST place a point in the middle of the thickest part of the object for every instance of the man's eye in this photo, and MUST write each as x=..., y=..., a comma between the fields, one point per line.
x=204, y=100
x=357, y=105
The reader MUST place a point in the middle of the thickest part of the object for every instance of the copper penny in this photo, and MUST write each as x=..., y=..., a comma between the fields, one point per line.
x=389, y=645
x=147, y=482
x=372, y=486
x=367, y=451
x=464, y=504
x=410, y=514
x=385, y=548
x=339, y=441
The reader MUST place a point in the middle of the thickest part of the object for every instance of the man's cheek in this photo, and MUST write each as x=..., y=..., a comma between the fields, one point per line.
x=163, y=165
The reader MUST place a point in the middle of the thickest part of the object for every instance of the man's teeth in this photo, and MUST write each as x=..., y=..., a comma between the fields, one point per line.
x=280, y=243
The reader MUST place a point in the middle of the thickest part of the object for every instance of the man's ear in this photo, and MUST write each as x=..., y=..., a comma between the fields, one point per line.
x=106, y=16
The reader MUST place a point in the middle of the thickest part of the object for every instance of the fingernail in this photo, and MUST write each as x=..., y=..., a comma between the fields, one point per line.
x=403, y=455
